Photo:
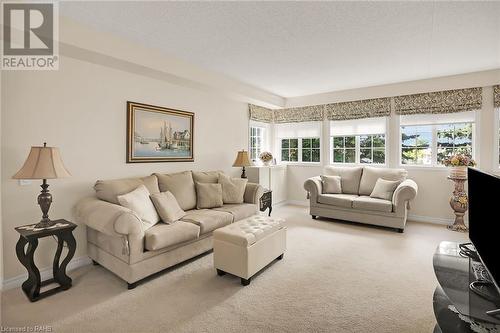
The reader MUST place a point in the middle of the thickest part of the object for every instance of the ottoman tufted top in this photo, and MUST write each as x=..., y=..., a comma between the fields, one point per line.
x=249, y=231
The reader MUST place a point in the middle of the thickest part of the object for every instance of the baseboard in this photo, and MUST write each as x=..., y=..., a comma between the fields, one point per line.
x=429, y=219
x=45, y=273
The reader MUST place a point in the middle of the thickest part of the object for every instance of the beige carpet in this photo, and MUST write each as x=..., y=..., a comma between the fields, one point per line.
x=335, y=277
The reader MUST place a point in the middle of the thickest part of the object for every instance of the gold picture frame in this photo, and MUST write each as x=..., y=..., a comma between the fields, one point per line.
x=159, y=134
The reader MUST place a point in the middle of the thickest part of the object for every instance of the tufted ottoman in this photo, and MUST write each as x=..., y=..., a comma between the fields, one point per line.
x=245, y=247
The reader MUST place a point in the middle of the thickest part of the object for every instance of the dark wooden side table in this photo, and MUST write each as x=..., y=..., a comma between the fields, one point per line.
x=266, y=201
x=63, y=230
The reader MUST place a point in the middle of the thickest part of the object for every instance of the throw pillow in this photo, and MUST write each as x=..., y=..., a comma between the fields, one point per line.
x=138, y=201
x=167, y=207
x=181, y=185
x=208, y=195
x=331, y=184
x=233, y=189
x=384, y=189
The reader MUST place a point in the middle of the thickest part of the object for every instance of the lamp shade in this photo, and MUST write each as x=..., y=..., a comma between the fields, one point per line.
x=43, y=163
x=242, y=159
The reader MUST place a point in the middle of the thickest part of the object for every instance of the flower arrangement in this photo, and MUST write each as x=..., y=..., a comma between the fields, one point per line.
x=458, y=160
x=266, y=157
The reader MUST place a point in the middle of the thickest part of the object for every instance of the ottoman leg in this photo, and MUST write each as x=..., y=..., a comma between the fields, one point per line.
x=220, y=272
x=281, y=256
x=245, y=282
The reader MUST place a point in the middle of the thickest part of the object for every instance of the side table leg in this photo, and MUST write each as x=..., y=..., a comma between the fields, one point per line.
x=60, y=270
x=32, y=285
x=270, y=210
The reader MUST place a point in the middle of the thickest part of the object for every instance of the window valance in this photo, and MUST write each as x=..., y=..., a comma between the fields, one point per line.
x=260, y=113
x=448, y=101
x=368, y=108
x=299, y=114
x=496, y=96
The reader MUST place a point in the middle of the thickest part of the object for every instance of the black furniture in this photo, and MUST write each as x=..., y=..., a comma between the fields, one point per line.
x=266, y=201
x=29, y=234
x=456, y=306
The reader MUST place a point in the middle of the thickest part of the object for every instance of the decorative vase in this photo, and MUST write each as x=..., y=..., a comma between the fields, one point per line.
x=267, y=163
x=458, y=171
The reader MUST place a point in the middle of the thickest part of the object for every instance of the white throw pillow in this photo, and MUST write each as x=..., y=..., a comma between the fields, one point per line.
x=208, y=195
x=167, y=207
x=233, y=189
x=138, y=200
x=331, y=184
x=384, y=189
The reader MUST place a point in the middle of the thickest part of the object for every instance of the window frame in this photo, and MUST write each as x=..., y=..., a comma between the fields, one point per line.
x=263, y=140
x=299, y=148
x=357, y=150
x=433, y=144
x=496, y=130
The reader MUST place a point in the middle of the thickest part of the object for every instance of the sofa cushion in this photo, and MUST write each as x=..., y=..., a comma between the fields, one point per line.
x=167, y=207
x=208, y=195
x=206, y=177
x=331, y=184
x=233, y=189
x=164, y=235
x=384, y=189
x=371, y=174
x=138, y=201
x=367, y=203
x=340, y=200
x=239, y=211
x=349, y=177
x=181, y=185
x=109, y=190
x=208, y=219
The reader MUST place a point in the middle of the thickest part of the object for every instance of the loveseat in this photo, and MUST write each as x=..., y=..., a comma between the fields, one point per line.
x=355, y=204
x=117, y=240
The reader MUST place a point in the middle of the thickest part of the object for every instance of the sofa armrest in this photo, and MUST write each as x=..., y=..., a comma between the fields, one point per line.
x=253, y=192
x=108, y=218
x=314, y=187
x=405, y=192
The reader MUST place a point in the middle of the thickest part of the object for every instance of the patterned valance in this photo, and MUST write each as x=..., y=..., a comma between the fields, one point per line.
x=496, y=96
x=368, y=108
x=299, y=114
x=260, y=113
x=448, y=101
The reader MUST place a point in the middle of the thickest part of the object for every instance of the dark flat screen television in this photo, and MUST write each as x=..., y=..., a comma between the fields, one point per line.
x=484, y=220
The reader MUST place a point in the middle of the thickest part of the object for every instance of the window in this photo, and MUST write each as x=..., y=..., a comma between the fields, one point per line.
x=256, y=142
x=427, y=140
x=344, y=149
x=299, y=142
x=416, y=145
x=358, y=141
x=310, y=150
x=290, y=150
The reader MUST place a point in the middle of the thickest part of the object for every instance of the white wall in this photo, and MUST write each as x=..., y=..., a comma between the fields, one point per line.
x=435, y=190
x=81, y=109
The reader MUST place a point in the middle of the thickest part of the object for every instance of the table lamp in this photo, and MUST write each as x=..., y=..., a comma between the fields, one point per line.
x=43, y=163
x=242, y=160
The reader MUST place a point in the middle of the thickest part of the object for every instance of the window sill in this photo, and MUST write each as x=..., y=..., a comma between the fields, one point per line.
x=306, y=164
x=423, y=167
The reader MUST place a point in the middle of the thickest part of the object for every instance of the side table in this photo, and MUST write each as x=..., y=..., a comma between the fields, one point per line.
x=266, y=201
x=63, y=230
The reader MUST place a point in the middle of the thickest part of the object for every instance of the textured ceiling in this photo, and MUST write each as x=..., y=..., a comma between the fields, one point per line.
x=302, y=48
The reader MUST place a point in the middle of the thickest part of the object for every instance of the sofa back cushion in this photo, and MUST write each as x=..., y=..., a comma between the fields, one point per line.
x=211, y=177
x=371, y=174
x=181, y=185
x=349, y=177
x=109, y=190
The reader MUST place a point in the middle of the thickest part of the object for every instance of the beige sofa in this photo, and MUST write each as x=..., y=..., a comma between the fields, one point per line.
x=355, y=203
x=117, y=241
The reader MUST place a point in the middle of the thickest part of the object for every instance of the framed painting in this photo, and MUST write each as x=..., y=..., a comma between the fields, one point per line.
x=158, y=134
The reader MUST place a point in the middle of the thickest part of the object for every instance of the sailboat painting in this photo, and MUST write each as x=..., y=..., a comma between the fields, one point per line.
x=158, y=134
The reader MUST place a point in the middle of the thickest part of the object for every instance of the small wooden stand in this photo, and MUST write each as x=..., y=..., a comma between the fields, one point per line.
x=459, y=203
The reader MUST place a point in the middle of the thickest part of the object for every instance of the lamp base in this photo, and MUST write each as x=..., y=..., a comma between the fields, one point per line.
x=243, y=174
x=44, y=223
